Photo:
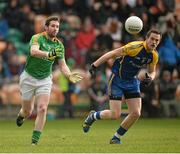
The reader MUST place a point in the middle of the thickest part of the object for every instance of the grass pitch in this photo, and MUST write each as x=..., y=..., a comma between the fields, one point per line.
x=66, y=136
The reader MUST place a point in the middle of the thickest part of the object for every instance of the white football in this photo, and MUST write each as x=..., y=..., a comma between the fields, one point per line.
x=133, y=25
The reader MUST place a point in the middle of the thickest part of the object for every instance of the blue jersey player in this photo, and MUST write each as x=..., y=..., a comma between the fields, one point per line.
x=124, y=81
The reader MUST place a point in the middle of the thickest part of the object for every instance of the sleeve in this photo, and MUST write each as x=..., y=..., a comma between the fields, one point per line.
x=155, y=59
x=34, y=40
x=132, y=49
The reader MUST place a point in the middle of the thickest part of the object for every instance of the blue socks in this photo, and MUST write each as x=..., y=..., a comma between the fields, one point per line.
x=121, y=131
x=96, y=115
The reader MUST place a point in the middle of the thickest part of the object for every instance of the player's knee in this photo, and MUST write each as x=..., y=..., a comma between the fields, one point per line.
x=42, y=109
x=136, y=114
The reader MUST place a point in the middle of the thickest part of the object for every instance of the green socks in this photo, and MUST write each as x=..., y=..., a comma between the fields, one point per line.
x=35, y=136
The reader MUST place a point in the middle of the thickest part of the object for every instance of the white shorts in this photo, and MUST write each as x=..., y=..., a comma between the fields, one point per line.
x=30, y=86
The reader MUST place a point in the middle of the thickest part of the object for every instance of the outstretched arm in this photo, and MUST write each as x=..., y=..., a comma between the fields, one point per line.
x=72, y=76
x=111, y=54
x=51, y=55
x=64, y=68
x=36, y=52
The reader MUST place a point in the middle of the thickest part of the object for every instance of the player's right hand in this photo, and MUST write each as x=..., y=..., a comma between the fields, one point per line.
x=147, y=81
x=56, y=52
x=93, y=70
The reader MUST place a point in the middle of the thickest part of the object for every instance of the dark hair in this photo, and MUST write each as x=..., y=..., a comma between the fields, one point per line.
x=51, y=18
x=156, y=31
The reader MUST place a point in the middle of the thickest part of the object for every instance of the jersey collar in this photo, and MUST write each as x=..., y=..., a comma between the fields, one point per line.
x=145, y=46
x=47, y=37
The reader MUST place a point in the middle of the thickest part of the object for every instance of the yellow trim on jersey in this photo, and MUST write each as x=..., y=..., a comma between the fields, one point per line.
x=133, y=48
x=35, y=39
x=110, y=83
x=55, y=39
x=155, y=58
x=154, y=53
x=120, y=68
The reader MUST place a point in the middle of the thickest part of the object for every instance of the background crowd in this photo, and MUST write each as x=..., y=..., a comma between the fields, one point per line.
x=88, y=29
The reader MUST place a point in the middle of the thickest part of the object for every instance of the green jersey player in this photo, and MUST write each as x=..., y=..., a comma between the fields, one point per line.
x=35, y=81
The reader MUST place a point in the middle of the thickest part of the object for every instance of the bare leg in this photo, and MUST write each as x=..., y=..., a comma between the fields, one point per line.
x=134, y=107
x=27, y=108
x=25, y=111
x=42, y=104
x=114, y=112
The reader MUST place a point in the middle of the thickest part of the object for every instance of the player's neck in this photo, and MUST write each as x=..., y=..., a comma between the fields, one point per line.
x=146, y=47
x=49, y=37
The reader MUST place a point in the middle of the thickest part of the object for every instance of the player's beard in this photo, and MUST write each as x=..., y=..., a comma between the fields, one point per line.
x=53, y=34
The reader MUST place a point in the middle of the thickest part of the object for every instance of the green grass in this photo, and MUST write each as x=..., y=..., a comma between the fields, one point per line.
x=66, y=136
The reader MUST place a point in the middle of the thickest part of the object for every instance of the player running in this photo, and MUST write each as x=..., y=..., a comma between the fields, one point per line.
x=125, y=81
x=36, y=78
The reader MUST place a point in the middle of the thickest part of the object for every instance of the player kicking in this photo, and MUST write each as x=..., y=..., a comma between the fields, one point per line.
x=36, y=78
x=125, y=81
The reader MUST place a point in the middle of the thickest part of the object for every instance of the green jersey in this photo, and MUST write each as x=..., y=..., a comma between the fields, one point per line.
x=41, y=68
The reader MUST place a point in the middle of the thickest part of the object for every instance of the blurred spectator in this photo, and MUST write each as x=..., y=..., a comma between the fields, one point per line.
x=3, y=72
x=26, y=17
x=68, y=6
x=146, y=23
x=4, y=27
x=169, y=54
x=41, y=6
x=104, y=39
x=69, y=90
x=15, y=68
x=107, y=10
x=115, y=27
x=170, y=5
x=98, y=93
x=68, y=109
x=38, y=23
x=84, y=40
x=93, y=53
x=176, y=80
x=167, y=91
x=12, y=62
x=96, y=13
x=139, y=9
x=156, y=10
x=124, y=10
x=150, y=103
x=12, y=14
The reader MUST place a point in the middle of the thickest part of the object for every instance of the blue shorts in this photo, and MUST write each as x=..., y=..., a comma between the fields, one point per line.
x=119, y=87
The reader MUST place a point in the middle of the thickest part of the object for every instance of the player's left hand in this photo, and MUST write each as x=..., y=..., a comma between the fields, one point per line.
x=75, y=77
x=93, y=70
x=147, y=80
x=56, y=52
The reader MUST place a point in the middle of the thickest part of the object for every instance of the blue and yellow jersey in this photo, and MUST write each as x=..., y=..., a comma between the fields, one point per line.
x=136, y=57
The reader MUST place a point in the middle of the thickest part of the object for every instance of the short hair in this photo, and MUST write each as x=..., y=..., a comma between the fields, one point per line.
x=51, y=18
x=156, y=31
